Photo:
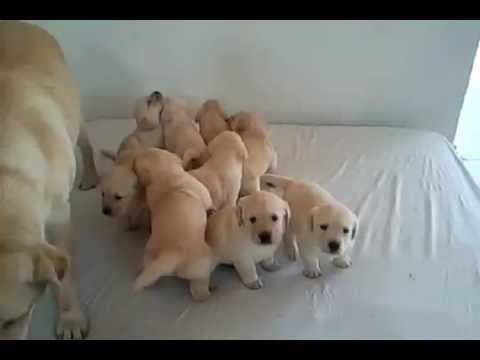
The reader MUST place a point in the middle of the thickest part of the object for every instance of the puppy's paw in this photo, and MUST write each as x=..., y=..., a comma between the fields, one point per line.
x=342, y=262
x=72, y=325
x=89, y=181
x=291, y=253
x=270, y=267
x=200, y=295
x=200, y=289
x=255, y=285
x=312, y=273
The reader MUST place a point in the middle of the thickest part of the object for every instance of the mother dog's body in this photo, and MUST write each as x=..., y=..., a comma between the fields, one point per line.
x=40, y=124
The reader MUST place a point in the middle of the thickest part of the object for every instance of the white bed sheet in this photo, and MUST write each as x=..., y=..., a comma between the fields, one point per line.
x=416, y=261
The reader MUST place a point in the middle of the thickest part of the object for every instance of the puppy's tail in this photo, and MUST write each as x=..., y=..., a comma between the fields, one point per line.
x=164, y=265
x=274, y=183
x=109, y=154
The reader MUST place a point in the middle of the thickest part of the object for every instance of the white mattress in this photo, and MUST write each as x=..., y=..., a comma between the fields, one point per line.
x=416, y=262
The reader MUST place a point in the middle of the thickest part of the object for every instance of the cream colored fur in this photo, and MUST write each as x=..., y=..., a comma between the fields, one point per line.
x=222, y=173
x=249, y=233
x=319, y=223
x=40, y=124
x=181, y=134
x=262, y=157
x=178, y=205
x=122, y=195
x=212, y=120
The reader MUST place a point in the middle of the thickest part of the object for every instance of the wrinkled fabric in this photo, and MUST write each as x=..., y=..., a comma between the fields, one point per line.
x=416, y=260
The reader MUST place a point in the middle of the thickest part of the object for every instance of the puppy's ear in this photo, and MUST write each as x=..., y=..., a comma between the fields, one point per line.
x=240, y=215
x=244, y=153
x=229, y=122
x=286, y=216
x=49, y=265
x=109, y=154
x=141, y=169
x=312, y=213
x=354, y=231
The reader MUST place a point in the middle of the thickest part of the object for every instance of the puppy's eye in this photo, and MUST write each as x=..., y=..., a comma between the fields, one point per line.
x=345, y=230
x=103, y=194
x=8, y=324
x=118, y=197
x=253, y=219
x=324, y=227
x=274, y=218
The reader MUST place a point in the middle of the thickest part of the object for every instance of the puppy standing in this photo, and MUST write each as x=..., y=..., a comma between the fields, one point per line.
x=319, y=223
x=122, y=195
x=261, y=153
x=40, y=124
x=178, y=205
x=222, y=173
x=249, y=233
x=181, y=134
x=212, y=120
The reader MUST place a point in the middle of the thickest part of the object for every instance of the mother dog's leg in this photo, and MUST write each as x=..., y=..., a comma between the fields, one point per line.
x=71, y=322
x=90, y=178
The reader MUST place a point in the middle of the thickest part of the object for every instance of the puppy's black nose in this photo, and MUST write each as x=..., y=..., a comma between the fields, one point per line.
x=333, y=246
x=107, y=211
x=265, y=238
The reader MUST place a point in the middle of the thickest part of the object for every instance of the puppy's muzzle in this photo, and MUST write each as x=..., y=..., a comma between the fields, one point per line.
x=265, y=238
x=333, y=246
x=107, y=211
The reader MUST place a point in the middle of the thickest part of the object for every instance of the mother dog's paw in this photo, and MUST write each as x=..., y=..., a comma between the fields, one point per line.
x=72, y=325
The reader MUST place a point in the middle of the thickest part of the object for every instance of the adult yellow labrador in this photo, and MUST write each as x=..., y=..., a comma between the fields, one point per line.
x=40, y=124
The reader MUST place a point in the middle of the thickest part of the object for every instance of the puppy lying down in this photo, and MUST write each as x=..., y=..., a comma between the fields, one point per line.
x=178, y=205
x=249, y=233
x=262, y=157
x=222, y=173
x=319, y=223
x=122, y=195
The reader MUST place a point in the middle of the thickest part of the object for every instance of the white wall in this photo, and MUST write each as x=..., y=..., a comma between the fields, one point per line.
x=467, y=138
x=400, y=73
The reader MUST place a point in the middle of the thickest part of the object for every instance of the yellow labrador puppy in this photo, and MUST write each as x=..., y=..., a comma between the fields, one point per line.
x=212, y=120
x=222, y=173
x=149, y=130
x=181, y=134
x=148, y=110
x=178, y=205
x=40, y=124
x=249, y=233
x=262, y=157
x=122, y=195
x=319, y=223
